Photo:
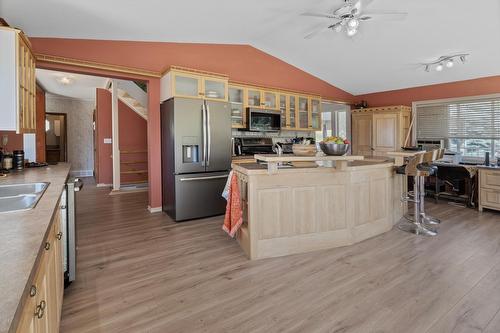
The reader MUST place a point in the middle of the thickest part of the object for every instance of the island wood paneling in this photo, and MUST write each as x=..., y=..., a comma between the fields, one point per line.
x=142, y=272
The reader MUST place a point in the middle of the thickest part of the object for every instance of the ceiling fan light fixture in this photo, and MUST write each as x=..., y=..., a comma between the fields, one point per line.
x=338, y=28
x=351, y=32
x=450, y=63
x=439, y=67
x=427, y=68
x=353, y=23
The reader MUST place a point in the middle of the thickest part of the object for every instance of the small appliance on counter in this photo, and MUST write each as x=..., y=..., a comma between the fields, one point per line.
x=18, y=160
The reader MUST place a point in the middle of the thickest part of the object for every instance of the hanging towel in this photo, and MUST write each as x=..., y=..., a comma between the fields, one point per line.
x=225, y=192
x=234, y=214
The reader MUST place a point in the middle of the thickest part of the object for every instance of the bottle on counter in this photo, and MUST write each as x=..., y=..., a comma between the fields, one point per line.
x=7, y=162
x=487, y=158
x=18, y=159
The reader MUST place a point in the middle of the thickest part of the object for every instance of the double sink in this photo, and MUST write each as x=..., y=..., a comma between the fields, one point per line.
x=20, y=197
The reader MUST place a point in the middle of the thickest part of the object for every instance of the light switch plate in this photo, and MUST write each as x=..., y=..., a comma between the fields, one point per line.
x=108, y=140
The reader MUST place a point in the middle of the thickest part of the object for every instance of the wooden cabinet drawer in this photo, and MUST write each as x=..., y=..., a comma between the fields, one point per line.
x=490, y=198
x=490, y=179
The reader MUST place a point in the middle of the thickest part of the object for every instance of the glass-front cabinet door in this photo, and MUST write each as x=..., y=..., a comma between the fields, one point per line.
x=292, y=111
x=315, y=113
x=186, y=85
x=270, y=100
x=303, y=112
x=237, y=110
x=215, y=89
x=284, y=120
x=253, y=98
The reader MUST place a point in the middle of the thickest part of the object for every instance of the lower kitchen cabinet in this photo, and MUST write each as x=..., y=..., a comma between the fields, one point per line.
x=42, y=306
x=489, y=188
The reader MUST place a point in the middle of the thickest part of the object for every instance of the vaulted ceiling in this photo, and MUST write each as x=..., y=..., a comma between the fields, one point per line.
x=384, y=55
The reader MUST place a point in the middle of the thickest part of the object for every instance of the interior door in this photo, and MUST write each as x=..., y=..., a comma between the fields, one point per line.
x=188, y=135
x=385, y=133
x=219, y=145
x=362, y=134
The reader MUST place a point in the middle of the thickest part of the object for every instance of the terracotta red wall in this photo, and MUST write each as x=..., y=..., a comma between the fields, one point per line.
x=16, y=141
x=241, y=62
x=104, y=165
x=133, y=137
x=482, y=86
x=40, y=124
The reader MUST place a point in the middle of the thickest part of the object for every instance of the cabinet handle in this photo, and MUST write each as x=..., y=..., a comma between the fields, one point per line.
x=47, y=246
x=40, y=310
x=33, y=291
x=59, y=235
x=63, y=206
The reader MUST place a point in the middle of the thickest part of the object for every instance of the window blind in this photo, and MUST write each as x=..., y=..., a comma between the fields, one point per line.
x=479, y=119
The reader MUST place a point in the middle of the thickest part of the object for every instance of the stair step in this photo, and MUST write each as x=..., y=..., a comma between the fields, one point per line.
x=133, y=151
x=133, y=162
x=131, y=172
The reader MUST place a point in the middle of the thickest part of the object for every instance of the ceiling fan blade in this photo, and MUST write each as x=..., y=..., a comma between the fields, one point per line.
x=319, y=31
x=330, y=16
x=388, y=16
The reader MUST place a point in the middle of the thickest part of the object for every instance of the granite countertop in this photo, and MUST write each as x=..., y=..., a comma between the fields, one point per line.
x=309, y=167
x=22, y=235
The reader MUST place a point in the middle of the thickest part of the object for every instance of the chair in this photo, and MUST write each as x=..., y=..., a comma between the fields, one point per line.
x=416, y=224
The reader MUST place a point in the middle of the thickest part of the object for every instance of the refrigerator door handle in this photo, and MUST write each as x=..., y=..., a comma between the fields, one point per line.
x=209, y=136
x=204, y=126
x=203, y=178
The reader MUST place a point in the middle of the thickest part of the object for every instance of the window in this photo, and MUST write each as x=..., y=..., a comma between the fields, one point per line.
x=468, y=126
x=335, y=120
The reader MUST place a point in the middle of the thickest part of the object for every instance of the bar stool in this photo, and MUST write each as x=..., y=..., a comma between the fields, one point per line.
x=407, y=224
x=427, y=169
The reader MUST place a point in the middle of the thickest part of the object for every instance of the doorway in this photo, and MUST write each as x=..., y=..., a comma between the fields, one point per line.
x=56, y=142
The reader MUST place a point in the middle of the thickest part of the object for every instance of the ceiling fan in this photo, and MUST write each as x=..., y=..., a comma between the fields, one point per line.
x=349, y=17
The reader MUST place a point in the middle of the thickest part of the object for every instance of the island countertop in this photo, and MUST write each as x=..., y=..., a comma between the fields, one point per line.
x=22, y=235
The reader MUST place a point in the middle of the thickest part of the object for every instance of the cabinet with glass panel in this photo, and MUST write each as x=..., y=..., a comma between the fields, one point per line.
x=236, y=101
x=180, y=82
x=263, y=99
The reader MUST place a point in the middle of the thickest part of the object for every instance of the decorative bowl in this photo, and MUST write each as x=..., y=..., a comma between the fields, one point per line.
x=334, y=149
x=304, y=150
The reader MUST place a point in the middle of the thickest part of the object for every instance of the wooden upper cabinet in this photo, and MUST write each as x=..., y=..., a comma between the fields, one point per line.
x=315, y=114
x=270, y=100
x=181, y=82
x=262, y=99
x=18, y=82
x=236, y=101
x=304, y=113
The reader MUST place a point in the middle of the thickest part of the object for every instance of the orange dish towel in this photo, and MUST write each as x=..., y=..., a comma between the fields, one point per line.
x=234, y=214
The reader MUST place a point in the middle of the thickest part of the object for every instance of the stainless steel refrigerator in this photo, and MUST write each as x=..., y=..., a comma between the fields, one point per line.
x=196, y=156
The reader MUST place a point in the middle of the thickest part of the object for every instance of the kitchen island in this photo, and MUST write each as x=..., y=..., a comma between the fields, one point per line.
x=314, y=203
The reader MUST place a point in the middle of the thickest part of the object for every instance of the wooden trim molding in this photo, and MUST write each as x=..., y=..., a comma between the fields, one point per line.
x=96, y=65
x=194, y=71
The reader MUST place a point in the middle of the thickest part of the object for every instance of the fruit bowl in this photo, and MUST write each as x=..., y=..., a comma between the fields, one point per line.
x=334, y=149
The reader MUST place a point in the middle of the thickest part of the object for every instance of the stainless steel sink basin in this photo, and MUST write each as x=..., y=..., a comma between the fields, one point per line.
x=20, y=197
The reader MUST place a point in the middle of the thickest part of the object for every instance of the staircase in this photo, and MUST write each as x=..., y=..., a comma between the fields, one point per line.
x=133, y=96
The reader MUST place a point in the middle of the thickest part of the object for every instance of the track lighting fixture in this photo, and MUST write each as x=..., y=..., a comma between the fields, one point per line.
x=445, y=61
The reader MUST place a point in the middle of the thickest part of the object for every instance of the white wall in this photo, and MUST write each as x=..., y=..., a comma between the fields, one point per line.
x=80, y=134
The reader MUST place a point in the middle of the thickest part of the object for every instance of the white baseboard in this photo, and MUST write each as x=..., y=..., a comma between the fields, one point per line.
x=104, y=185
x=82, y=173
x=154, y=209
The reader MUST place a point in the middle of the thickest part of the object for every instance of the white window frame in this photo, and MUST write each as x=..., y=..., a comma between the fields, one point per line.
x=334, y=117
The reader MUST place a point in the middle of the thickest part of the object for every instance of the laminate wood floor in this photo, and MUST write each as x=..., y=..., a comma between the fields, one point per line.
x=141, y=272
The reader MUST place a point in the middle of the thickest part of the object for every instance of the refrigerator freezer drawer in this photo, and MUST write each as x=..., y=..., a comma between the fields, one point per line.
x=199, y=195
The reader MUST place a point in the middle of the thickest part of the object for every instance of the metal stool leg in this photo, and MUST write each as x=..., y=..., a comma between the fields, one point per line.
x=425, y=218
x=416, y=226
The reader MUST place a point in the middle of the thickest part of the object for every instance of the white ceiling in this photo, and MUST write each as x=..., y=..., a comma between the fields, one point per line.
x=79, y=86
x=383, y=56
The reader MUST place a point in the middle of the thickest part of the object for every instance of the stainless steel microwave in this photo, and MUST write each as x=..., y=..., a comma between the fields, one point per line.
x=261, y=120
